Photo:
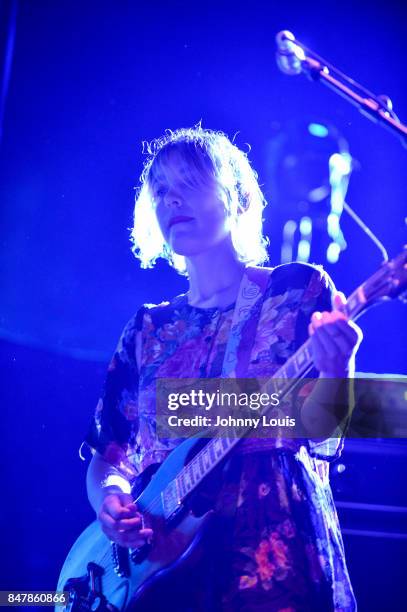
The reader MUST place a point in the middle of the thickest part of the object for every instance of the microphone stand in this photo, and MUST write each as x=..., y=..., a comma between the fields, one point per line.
x=377, y=108
x=369, y=107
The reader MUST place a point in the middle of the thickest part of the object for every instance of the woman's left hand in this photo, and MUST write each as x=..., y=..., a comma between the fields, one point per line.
x=334, y=340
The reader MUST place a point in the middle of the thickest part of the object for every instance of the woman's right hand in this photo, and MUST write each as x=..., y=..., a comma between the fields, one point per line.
x=121, y=522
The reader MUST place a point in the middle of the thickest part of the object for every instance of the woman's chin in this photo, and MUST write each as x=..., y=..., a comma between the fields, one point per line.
x=185, y=247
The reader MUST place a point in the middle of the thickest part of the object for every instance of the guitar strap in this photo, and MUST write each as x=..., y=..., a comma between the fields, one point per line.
x=245, y=321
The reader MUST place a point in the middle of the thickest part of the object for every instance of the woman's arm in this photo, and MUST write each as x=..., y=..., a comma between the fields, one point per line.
x=109, y=493
x=102, y=479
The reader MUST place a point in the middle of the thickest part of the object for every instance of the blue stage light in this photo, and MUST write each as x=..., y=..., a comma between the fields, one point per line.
x=318, y=130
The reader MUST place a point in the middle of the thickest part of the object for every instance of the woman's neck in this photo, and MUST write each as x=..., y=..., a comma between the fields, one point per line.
x=214, y=277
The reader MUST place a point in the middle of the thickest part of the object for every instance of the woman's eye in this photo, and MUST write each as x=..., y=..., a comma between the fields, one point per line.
x=160, y=191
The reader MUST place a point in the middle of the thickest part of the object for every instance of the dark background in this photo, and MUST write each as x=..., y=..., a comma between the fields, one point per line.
x=88, y=81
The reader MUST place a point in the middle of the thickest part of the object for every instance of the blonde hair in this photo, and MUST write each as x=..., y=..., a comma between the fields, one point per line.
x=208, y=155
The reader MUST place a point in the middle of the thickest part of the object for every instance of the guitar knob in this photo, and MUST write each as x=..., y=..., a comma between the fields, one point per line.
x=137, y=555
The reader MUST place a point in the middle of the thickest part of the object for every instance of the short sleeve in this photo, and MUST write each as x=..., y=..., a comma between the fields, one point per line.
x=317, y=296
x=114, y=426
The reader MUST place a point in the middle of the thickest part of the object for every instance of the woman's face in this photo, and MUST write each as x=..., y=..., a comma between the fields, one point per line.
x=193, y=219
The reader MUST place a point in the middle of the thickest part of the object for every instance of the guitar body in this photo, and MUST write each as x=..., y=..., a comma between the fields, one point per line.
x=176, y=542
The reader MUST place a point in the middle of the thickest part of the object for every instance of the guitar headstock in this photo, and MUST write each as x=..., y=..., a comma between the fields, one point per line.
x=390, y=280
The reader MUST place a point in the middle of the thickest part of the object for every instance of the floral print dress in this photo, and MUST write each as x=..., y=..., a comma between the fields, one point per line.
x=280, y=548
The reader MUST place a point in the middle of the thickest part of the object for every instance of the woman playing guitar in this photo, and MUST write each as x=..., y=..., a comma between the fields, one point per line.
x=200, y=207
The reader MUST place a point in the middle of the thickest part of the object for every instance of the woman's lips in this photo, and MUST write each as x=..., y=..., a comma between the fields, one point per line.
x=179, y=219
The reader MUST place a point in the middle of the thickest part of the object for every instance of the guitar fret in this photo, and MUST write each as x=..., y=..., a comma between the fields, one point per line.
x=177, y=489
x=301, y=357
x=212, y=452
x=185, y=485
x=278, y=387
x=196, y=470
x=218, y=448
x=201, y=465
x=206, y=459
x=291, y=369
x=225, y=443
x=181, y=484
x=233, y=434
x=190, y=474
x=273, y=388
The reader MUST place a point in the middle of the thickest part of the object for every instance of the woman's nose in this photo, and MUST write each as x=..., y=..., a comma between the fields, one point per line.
x=172, y=199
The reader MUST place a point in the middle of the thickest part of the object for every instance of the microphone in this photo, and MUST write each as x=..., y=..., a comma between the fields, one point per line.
x=289, y=54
